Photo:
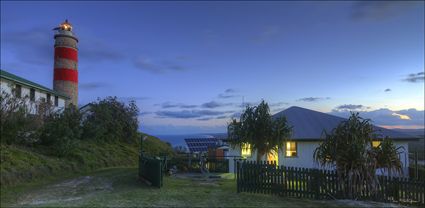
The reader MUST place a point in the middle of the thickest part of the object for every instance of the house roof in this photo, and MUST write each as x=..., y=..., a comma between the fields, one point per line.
x=309, y=124
x=20, y=80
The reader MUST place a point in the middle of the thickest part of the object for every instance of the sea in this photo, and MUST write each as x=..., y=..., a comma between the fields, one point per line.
x=178, y=140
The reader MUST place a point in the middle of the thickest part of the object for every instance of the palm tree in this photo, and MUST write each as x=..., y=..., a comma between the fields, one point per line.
x=257, y=128
x=349, y=149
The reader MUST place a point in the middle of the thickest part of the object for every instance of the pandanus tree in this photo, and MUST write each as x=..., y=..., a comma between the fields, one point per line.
x=257, y=128
x=349, y=149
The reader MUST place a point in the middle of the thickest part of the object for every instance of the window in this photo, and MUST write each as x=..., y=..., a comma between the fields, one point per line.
x=246, y=150
x=48, y=98
x=18, y=90
x=291, y=149
x=376, y=143
x=32, y=94
x=43, y=99
x=56, y=101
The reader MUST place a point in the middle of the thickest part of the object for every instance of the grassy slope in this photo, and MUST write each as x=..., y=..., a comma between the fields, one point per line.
x=119, y=187
x=21, y=164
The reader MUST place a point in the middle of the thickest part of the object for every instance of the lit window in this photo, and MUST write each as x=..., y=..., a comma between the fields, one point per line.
x=291, y=149
x=376, y=143
x=246, y=150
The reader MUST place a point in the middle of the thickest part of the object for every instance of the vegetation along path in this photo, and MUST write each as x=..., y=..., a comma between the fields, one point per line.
x=119, y=187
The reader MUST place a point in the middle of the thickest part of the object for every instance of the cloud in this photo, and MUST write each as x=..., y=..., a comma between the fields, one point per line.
x=214, y=104
x=350, y=107
x=224, y=96
x=133, y=98
x=245, y=104
x=176, y=105
x=380, y=10
x=173, y=129
x=228, y=93
x=186, y=114
x=92, y=85
x=98, y=51
x=414, y=78
x=221, y=117
x=205, y=119
x=156, y=66
x=401, y=116
x=313, y=99
x=169, y=105
x=36, y=46
x=387, y=90
x=145, y=113
x=230, y=90
x=33, y=46
x=278, y=104
x=188, y=106
x=236, y=115
x=388, y=118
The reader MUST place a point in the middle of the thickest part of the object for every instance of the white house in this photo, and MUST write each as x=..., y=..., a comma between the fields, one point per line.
x=36, y=93
x=308, y=126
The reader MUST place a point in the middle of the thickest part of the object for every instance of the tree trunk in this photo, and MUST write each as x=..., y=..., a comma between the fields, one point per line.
x=259, y=156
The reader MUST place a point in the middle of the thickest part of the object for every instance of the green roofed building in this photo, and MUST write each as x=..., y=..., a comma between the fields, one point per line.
x=36, y=93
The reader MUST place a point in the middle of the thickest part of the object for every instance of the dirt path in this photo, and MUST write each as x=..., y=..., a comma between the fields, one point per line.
x=67, y=191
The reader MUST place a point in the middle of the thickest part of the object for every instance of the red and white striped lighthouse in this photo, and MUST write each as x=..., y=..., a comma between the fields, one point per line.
x=66, y=61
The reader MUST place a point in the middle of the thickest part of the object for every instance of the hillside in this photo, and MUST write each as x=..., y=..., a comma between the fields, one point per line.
x=24, y=164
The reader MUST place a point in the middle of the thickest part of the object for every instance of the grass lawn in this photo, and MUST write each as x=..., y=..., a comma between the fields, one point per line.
x=119, y=187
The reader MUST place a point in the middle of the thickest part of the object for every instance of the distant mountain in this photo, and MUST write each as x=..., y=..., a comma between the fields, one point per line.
x=413, y=132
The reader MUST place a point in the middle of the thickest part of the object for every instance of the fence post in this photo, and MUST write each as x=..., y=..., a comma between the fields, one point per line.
x=237, y=177
x=396, y=189
x=316, y=184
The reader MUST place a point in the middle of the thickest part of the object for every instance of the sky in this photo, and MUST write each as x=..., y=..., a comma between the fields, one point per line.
x=191, y=66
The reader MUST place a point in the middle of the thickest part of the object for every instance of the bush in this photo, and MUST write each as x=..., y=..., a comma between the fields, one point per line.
x=60, y=131
x=111, y=120
x=17, y=125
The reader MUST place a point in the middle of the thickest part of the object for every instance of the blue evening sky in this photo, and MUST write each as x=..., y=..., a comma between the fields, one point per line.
x=190, y=65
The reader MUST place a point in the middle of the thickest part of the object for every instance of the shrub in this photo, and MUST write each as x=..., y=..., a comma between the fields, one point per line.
x=60, y=130
x=111, y=120
x=17, y=125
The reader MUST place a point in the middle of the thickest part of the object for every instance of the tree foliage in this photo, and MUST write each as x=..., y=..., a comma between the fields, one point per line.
x=111, y=120
x=61, y=130
x=17, y=126
x=349, y=149
x=37, y=123
x=257, y=128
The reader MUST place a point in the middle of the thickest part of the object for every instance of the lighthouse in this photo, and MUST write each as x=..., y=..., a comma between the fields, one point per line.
x=65, y=78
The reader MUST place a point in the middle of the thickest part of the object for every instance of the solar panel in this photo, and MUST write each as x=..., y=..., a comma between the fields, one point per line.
x=201, y=144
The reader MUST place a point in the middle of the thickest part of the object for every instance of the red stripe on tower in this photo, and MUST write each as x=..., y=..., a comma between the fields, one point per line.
x=66, y=53
x=66, y=75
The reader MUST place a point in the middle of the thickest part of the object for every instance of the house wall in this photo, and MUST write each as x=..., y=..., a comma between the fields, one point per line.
x=304, y=158
x=7, y=86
